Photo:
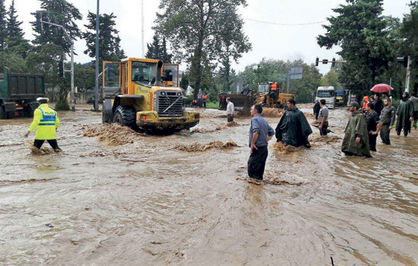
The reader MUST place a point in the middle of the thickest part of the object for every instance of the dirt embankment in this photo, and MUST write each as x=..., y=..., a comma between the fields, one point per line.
x=111, y=134
x=197, y=147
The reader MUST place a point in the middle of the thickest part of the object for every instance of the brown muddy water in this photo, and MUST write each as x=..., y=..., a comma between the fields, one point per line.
x=147, y=203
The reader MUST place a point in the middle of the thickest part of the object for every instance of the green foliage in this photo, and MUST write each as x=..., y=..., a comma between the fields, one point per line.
x=109, y=41
x=84, y=77
x=14, y=62
x=184, y=82
x=331, y=79
x=361, y=32
x=59, y=12
x=15, y=40
x=195, y=31
x=3, y=25
x=62, y=105
x=158, y=49
x=51, y=43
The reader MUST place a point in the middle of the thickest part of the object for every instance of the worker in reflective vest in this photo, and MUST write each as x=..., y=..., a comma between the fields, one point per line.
x=366, y=102
x=46, y=122
x=273, y=94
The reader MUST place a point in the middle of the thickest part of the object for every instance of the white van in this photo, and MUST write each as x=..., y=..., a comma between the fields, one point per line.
x=328, y=94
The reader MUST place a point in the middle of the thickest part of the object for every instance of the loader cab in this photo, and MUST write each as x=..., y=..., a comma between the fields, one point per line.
x=263, y=87
x=121, y=78
x=170, y=75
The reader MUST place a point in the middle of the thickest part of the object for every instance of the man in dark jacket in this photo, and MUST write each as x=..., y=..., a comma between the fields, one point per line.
x=293, y=128
x=377, y=104
x=316, y=109
x=371, y=120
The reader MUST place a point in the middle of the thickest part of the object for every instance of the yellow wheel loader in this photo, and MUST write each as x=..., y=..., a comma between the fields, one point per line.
x=144, y=94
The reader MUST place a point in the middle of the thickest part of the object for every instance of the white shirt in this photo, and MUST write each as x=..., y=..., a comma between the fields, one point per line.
x=230, y=108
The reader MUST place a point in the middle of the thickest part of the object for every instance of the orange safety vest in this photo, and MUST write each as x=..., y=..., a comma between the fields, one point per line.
x=365, y=102
x=274, y=86
x=204, y=97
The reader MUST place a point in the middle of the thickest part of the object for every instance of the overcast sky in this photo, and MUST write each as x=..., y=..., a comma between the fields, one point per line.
x=269, y=24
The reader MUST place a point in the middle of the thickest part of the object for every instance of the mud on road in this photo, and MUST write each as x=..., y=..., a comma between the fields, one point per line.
x=126, y=198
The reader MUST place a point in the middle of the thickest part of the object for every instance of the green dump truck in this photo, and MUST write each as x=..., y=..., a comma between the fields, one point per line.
x=18, y=93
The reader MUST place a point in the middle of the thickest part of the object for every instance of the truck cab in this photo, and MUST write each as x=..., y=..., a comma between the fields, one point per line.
x=144, y=94
x=328, y=94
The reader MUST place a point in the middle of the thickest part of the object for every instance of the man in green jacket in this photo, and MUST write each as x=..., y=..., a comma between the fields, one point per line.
x=404, y=115
x=46, y=122
x=356, y=138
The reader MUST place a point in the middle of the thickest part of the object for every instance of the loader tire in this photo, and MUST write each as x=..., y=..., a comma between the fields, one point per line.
x=125, y=116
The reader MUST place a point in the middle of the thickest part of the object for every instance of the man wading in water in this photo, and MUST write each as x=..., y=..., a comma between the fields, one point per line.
x=356, y=137
x=260, y=134
x=46, y=122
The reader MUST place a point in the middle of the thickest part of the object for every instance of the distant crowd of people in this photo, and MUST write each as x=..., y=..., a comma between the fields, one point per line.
x=200, y=100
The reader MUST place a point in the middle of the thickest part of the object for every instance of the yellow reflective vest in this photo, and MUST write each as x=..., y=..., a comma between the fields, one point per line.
x=45, y=121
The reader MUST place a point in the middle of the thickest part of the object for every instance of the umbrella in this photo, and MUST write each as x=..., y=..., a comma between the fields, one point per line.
x=381, y=88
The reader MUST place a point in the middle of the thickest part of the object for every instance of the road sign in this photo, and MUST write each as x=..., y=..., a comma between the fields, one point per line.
x=296, y=72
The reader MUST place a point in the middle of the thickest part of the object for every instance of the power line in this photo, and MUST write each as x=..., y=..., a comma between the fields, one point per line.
x=285, y=24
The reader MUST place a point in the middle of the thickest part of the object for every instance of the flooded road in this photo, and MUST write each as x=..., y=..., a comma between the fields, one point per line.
x=147, y=203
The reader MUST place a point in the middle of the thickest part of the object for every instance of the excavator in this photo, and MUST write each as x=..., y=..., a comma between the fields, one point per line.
x=143, y=94
x=270, y=96
x=266, y=95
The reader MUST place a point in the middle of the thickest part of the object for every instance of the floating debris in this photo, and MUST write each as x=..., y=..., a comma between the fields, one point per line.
x=272, y=112
x=111, y=134
x=232, y=124
x=281, y=148
x=326, y=139
x=197, y=147
x=205, y=130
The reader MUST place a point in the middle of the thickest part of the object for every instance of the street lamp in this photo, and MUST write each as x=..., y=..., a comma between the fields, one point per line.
x=39, y=19
x=96, y=93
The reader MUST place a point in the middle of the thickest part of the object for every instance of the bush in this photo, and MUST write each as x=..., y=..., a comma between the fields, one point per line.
x=188, y=100
x=62, y=106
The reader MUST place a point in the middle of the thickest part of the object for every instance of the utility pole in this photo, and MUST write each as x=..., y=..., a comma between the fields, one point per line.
x=142, y=31
x=408, y=74
x=96, y=93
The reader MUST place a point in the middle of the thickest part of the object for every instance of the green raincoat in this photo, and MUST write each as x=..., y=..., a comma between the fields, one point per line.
x=405, y=112
x=356, y=127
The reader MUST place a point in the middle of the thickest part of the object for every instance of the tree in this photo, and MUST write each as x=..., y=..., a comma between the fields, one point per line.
x=3, y=26
x=409, y=30
x=63, y=13
x=231, y=44
x=158, y=49
x=331, y=79
x=59, y=12
x=14, y=62
x=361, y=32
x=109, y=41
x=15, y=40
x=194, y=29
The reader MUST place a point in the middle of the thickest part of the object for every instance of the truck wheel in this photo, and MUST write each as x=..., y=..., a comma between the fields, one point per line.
x=3, y=114
x=125, y=116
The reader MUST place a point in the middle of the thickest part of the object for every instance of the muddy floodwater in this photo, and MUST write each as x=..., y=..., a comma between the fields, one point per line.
x=144, y=201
